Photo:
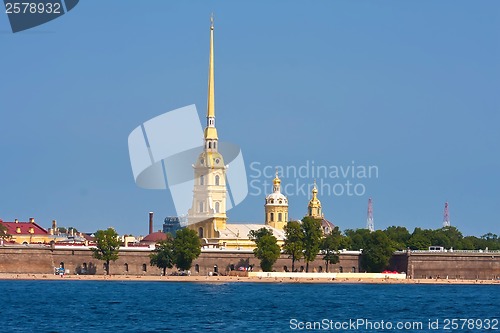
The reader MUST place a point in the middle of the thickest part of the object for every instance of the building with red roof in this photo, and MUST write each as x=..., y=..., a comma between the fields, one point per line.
x=26, y=232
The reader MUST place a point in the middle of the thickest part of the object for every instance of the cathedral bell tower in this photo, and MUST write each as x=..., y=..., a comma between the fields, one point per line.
x=314, y=207
x=208, y=210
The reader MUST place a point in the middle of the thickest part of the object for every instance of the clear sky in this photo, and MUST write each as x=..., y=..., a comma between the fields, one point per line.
x=410, y=87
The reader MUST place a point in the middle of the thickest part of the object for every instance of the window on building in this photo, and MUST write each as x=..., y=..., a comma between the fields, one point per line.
x=144, y=267
x=231, y=267
x=200, y=232
x=341, y=269
x=217, y=180
x=215, y=145
x=200, y=207
x=280, y=217
x=197, y=268
x=217, y=207
x=320, y=269
x=285, y=268
x=125, y=267
x=271, y=217
x=209, y=145
x=353, y=269
x=202, y=180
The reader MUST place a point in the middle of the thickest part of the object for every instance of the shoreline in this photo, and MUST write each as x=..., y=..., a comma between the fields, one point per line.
x=235, y=279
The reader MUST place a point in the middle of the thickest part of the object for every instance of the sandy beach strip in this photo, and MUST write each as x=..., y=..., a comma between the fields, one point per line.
x=233, y=279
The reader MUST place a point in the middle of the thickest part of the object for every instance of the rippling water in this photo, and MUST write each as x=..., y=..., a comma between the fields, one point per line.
x=105, y=306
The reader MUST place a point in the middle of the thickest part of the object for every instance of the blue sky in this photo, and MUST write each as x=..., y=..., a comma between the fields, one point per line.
x=409, y=87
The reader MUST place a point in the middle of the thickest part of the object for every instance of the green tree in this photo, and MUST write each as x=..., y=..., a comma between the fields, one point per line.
x=186, y=248
x=399, y=235
x=357, y=238
x=163, y=255
x=377, y=252
x=420, y=239
x=330, y=246
x=267, y=248
x=294, y=242
x=312, y=238
x=107, y=246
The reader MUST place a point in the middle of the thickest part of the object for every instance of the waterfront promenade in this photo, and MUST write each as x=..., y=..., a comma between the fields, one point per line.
x=237, y=279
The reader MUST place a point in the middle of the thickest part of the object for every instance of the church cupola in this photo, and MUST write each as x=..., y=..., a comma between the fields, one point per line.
x=314, y=207
x=276, y=206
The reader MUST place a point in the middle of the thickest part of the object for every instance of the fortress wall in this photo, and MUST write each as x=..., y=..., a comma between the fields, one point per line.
x=418, y=265
x=42, y=260
x=454, y=265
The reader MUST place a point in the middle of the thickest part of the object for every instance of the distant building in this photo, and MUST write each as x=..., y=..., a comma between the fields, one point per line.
x=26, y=232
x=171, y=224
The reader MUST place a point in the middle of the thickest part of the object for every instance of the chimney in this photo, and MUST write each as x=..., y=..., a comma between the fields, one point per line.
x=32, y=220
x=150, y=222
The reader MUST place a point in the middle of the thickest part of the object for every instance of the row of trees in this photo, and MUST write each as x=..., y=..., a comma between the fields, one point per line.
x=179, y=250
x=304, y=240
x=422, y=239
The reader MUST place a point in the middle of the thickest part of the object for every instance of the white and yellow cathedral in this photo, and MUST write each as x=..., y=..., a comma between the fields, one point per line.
x=207, y=215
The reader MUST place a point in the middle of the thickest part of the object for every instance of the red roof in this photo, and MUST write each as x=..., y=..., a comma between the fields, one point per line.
x=24, y=228
x=155, y=237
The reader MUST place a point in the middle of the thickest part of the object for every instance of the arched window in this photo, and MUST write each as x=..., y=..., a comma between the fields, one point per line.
x=209, y=145
x=216, y=268
x=215, y=145
x=217, y=207
x=144, y=267
x=217, y=180
x=280, y=216
x=125, y=267
x=200, y=232
x=202, y=180
x=353, y=270
x=197, y=268
x=271, y=217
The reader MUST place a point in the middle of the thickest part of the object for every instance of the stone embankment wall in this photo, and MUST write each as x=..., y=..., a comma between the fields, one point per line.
x=77, y=260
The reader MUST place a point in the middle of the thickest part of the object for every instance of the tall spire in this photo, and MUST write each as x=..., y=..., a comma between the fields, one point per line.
x=210, y=130
x=276, y=183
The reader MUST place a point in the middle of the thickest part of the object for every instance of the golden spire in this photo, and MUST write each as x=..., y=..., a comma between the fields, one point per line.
x=210, y=130
x=276, y=182
x=314, y=191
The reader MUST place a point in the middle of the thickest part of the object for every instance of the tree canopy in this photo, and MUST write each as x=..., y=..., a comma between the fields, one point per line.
x=107, y=246
x=294, y=242
x=267, y=248
x=186, y=248
x=330, y=246
x=312, y=238
x=163, y=255
x=377, y=251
